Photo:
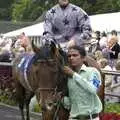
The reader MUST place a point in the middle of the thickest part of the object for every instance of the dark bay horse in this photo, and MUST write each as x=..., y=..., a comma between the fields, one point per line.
x=44, y=78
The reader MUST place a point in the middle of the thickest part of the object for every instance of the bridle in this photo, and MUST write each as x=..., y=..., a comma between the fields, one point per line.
x=48, y=58
x=57, y=103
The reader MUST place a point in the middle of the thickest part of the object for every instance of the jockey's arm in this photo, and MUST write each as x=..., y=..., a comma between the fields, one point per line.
x=84, y=28
x=48, y=25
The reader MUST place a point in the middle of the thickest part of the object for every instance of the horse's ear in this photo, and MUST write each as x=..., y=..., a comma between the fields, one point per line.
x=53, y=47
x=34, y=47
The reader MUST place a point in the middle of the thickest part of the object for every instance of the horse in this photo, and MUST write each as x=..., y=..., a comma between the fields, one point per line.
x=44, y=78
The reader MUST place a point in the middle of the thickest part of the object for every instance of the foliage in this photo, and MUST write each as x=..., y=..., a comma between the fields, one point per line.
x=90, y=6
x=112, y=107
x=37, y=108
x=5, y=9
x=22, y=10
x=30, y=10
x=98, y=6
x=7, y=97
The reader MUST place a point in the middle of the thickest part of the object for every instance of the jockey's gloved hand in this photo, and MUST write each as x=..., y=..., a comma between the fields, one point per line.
x=48, y=37
x=48, y=41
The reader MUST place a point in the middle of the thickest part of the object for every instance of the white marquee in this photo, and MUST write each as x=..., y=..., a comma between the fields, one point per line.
x=106, y=22
x=101, y=22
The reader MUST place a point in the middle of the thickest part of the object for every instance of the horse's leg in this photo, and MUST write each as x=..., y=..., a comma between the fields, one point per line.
x=21, y=106
x=29, y=95
x=27, y=111
x=20, y=93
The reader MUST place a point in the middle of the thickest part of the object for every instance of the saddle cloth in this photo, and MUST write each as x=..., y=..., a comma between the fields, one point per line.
x=24, y=66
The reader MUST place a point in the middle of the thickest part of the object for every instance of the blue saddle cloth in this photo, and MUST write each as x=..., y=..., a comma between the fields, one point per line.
x=26, y=62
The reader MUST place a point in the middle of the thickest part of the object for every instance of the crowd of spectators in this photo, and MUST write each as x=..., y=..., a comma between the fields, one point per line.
x=9, y=47
x=107, y=55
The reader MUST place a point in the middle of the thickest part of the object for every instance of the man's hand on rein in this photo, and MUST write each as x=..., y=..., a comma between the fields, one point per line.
x=68, y=71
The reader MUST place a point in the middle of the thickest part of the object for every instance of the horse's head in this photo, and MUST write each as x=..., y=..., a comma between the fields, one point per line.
x=48, y=71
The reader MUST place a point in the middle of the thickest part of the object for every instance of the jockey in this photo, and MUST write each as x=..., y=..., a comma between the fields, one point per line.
x=67, y=23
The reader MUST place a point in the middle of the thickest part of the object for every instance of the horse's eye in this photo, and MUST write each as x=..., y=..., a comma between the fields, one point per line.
x=37, y=73
x=52, y=64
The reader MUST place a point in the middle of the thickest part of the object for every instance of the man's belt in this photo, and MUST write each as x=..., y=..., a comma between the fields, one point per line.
x=86, y=117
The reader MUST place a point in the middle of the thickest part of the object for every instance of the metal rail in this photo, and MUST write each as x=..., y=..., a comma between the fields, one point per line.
x=112, y=94
x=6, y=63
x=106, y=72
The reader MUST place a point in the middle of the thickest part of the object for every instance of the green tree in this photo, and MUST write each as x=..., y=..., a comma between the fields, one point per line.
x=5, y=9
x=30, y=10
x=26, y=10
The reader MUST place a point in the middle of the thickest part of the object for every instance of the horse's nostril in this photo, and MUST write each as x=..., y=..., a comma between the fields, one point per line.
x=50, y=104
x=43, y=108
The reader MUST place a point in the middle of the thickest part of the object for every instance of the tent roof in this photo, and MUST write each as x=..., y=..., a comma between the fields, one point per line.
x=106, y=22
x=100, y=22
x=33, y=30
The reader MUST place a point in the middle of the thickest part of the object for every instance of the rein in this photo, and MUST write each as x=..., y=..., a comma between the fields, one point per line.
x=47, y=89
x=57, y=110
x=45, y=60
x=58, y=103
